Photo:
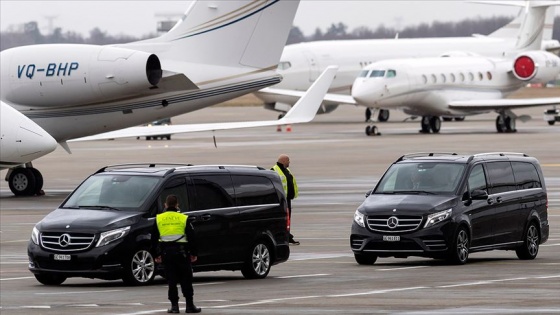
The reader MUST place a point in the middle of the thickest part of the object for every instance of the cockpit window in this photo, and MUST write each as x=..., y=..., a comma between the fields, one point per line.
x=391, y=73
x=363, y=74
x=377, y=74
x=284, y=65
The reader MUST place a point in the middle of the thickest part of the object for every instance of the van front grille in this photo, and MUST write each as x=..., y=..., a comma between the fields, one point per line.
x=393, y=223
x=66, y=242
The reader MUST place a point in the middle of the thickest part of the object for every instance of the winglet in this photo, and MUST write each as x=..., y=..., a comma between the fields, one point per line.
x=308, y=105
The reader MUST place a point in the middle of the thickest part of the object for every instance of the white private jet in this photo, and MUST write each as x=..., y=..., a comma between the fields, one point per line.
x=300, y=64
x=219, y=50
x=455, y=86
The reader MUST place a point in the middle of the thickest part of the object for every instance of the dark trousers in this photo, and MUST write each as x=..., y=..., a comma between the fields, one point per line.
x=178, y=270
x=291, y=239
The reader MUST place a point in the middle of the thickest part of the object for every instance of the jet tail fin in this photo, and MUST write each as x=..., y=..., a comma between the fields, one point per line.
x=534, y=23
x=250, y=33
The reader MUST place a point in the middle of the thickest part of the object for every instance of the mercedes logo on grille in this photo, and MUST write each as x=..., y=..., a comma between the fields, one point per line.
x=392, y=222
x=64, y=240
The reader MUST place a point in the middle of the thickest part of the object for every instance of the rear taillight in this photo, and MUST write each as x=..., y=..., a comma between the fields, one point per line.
x=288, y=219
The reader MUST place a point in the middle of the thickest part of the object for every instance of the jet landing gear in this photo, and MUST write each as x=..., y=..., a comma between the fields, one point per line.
x=430, y=123
x=25, y=181
x=383, y=115
x=505, y=123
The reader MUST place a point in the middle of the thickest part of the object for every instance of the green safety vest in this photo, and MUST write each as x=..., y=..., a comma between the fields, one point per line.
x=285, y=180
x=171, y=226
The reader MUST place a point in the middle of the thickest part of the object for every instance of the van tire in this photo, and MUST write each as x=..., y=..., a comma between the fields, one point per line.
x=365, y=259
x=258, y=263
x=531, y=241
x=139, y=268
x=458, y=253
x=48, y=279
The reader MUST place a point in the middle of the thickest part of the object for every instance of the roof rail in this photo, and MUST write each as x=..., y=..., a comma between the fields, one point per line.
x=225, y=166
x=502, y=153
x=129, y=165
x=420, y=154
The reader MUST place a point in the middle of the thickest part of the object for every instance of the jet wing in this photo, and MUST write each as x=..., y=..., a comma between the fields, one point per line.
x=503, y=103
x=303, y=111
x=332, y=98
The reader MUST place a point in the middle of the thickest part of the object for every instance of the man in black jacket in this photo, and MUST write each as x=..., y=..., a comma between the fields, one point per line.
x=174, y=243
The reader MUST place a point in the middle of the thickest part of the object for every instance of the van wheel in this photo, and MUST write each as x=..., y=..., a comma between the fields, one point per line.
x=258, y=264
x=365, y=259
x=530, y=247
x=139, y=269
x=459, y=250
x=50, y=279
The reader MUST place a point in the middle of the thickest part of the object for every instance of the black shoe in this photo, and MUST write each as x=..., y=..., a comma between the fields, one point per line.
x=192, y=309
x=294, y=242
x=174, y=309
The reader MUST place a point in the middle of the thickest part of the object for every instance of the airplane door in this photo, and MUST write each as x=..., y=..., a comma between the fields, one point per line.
x=313, y=64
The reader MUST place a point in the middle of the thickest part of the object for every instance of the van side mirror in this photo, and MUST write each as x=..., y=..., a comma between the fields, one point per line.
x=369, y=193
x=479, y=194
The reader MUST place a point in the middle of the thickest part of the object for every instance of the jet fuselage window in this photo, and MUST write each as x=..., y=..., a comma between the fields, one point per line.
x=443, y=79
x=462, y=76
x=434, y=79
x=377, y=74
x=471, y=76
x=480, y=76
x=452, y=77
x=391, y=73
x=489, y=75
x=424, y=79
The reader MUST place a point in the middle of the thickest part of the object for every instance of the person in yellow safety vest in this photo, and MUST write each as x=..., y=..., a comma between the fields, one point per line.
x=288, y=183
x=174, y=243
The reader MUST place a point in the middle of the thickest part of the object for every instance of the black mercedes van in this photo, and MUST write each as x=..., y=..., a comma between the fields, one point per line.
x=447, y=206
x=102, y=229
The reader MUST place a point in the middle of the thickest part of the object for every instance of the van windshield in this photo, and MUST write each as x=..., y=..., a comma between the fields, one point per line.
x=118, y=192
x=421, y=177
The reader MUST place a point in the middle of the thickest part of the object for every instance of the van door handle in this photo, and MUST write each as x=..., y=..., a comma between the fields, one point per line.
x=490, y=201
x=499, y=199
x=206, y=217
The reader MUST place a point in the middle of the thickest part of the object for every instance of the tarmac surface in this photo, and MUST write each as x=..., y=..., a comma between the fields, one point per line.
x=335, y=163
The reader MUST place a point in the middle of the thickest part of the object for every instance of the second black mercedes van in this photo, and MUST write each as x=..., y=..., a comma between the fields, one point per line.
x=448, y=206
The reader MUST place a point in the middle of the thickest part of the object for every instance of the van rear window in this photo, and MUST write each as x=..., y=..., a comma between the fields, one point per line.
x=526, y=175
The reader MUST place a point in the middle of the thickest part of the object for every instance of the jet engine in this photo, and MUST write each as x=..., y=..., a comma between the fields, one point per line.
x=64, y=75
x=536, y=66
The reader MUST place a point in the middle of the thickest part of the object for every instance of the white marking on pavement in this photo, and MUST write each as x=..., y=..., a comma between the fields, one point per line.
x=20, y=278
x=304, y=276
x=402, y=268
x=78, y=292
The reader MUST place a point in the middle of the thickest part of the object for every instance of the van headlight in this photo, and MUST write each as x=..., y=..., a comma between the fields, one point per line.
x=359, y=218
x=438, y=217
x=111, y=236
x=35, y=236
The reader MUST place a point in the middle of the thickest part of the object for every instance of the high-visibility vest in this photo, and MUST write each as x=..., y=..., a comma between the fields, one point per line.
x=171, y=226
x=278, y=170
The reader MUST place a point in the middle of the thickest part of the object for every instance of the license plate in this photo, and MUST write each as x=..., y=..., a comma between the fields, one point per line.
x=391, y=238
x=61, y=257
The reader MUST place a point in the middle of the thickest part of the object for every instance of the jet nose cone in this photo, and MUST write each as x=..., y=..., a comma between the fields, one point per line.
x=22, y=139
x=362, y=94
x=34, y=141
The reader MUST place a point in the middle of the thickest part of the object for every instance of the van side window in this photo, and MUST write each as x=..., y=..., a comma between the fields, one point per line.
x=526, y=175
x=178, y=188
x=254, y=190
x=477, y=179
x=500, y=175
x=212, y=191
